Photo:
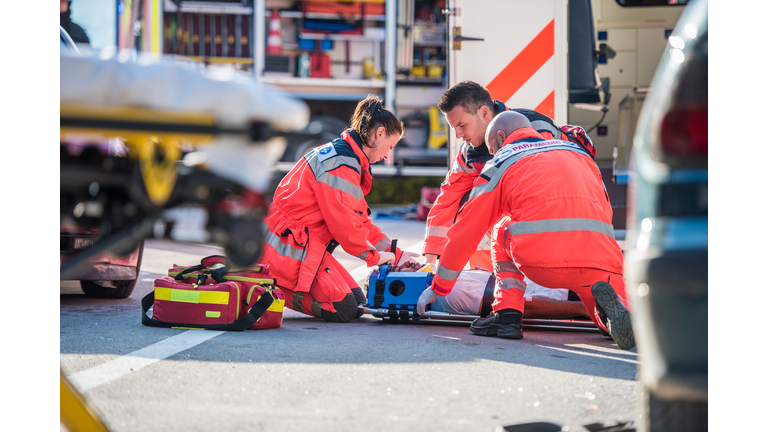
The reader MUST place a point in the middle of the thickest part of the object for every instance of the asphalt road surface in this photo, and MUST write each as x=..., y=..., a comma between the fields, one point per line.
x=319, y=376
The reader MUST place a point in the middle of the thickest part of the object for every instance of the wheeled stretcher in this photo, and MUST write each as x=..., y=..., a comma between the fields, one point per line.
x=393, y=296
x=191, y=139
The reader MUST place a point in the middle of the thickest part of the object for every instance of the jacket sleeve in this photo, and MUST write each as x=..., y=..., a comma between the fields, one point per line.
x=344, y=211
x=478, y=216
x=443, y=212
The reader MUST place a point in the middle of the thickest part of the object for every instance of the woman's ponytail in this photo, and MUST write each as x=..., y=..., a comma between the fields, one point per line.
x=370, y=114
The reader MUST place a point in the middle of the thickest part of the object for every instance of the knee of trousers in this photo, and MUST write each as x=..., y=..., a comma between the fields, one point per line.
x=346, y=310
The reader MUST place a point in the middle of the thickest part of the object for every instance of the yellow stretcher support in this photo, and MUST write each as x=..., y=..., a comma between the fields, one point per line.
x=149, y=133
x=75, y=413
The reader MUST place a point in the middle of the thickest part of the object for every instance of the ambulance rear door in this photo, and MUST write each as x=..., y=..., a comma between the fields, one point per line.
x=517, y=49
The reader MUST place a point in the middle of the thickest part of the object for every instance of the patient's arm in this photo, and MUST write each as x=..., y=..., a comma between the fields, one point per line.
x=544, y=308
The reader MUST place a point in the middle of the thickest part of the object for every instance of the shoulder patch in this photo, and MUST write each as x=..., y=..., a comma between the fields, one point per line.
x=326, y=151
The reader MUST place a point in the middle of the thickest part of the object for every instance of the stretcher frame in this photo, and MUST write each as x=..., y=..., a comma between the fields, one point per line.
x=445, y=318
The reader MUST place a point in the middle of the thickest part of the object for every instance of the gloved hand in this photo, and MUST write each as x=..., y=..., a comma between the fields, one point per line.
x=427, y=297
x=386, y=258
x=408, y=256
x=430, y=259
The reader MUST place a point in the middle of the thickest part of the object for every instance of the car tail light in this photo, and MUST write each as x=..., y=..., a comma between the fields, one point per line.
x=684, y=130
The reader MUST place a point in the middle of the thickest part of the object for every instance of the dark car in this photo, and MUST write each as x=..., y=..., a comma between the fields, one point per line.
x=667, y=232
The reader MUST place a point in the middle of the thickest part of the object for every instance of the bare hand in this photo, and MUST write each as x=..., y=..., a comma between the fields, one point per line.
x=430, y=259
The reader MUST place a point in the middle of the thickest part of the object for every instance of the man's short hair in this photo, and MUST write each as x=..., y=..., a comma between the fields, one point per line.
x=467, y=94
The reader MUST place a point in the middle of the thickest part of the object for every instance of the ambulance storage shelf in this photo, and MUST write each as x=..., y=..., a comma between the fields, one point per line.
x=327, y=88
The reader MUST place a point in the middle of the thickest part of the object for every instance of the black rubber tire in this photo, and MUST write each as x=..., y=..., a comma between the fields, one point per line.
x=661, y=415
x=121, y=289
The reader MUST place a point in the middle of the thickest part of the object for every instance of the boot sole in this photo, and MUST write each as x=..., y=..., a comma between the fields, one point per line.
x=505, y=333
x=619, y=318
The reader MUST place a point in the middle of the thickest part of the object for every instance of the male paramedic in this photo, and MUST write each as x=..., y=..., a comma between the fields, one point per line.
x=469, y=109
x=558, y=231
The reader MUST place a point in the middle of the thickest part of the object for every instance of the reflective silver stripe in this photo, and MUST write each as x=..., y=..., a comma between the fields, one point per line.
x=467, y=169
x=437, y=231
x=505, y=267
x=565, y=224
x=321, y=171
x=510, y=283
x=495, y=176
x=485, y=243
x=363, y=255
x=383, y=244
x=343, y=185
x=540, y=125
x=446, y=274
x=273, y=240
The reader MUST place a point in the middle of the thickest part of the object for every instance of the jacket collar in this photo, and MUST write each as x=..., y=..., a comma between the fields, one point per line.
x=366, y=177
x=481, y=153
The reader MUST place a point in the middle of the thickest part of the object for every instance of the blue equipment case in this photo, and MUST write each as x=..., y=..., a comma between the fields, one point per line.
x=397, y=292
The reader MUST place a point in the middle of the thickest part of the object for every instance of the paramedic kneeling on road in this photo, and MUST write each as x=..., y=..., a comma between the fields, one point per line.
x=319, y=205
x=559, y=232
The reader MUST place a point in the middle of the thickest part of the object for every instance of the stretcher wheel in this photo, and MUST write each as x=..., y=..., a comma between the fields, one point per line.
x=119, y=290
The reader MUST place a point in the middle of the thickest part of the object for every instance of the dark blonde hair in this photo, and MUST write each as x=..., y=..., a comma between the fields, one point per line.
x=467, y=94
x=370, y=114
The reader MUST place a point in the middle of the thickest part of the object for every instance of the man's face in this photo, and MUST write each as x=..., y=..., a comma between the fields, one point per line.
x=469, y=126
x=64, y=6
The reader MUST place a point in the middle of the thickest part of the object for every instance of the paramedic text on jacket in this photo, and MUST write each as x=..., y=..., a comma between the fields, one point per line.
x=558, y=230
x=469, y=109
x=321, y=204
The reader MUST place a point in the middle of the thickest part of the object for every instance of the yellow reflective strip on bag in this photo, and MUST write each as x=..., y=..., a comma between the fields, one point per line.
x=188, y=296
x=212, y=314
x=246, y=279
x=276, y=306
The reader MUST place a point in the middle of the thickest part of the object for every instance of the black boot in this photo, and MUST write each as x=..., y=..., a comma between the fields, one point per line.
x=506, y=323
x=360, y=299
x=615, y=316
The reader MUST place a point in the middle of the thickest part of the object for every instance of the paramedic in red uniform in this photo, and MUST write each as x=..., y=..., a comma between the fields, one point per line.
x=469, y=109
x=319, y=205
x=558, y=231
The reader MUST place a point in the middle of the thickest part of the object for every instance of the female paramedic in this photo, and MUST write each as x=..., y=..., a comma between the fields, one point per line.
x=320, y=204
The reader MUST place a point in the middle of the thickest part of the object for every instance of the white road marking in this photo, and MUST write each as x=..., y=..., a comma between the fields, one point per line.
x=111, y=370
x=591, y=354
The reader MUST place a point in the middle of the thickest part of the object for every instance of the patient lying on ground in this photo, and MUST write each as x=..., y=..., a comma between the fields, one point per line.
x=473, y=294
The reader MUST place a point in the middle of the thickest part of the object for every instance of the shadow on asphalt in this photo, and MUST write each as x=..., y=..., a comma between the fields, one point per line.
x=368, y=340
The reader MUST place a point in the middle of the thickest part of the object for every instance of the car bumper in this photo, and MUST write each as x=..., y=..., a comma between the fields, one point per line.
x=671, y=320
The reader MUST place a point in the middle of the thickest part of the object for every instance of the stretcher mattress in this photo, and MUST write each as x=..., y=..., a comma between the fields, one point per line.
x=235, y=100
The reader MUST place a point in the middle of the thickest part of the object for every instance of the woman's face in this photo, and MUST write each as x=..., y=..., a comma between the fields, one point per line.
x=381, y=144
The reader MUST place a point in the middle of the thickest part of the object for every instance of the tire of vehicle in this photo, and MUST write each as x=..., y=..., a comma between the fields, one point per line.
x=122, y=288
x=660, y=415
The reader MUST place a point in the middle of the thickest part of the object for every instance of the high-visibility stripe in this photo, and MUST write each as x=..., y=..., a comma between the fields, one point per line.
x=383, y=244
x=276, y=306
x=463, y=168
x=189, y=296
x=322, y=173
x=212, y=314
x=511, y=283
x=284, y=249
x=547, y=107
x=558, y=225
x=485, y=243
x=494, y=175
x=247, y=279
x=437, y=231
x=505, y=267
x=446, y=274
x=343, y=185
x=524, y=65
x=541, y=125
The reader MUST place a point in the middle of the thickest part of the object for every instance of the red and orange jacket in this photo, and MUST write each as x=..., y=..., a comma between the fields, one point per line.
x=318, y=205
x=468, y=165
x=553, y=195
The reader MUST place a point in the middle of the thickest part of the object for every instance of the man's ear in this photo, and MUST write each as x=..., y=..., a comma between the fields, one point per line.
x=484, y=112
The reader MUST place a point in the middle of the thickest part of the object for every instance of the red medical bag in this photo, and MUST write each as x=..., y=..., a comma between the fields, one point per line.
x=215, y=296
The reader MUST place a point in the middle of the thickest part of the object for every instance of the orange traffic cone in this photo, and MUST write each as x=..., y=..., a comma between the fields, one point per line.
x=275, y=37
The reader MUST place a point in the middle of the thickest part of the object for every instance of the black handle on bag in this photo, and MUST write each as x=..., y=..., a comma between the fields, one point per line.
x=216, y=274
